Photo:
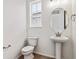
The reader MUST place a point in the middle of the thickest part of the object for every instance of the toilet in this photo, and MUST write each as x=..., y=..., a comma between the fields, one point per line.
x=27, y=51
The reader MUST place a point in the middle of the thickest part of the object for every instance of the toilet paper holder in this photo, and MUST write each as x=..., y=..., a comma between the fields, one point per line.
x=7, y=47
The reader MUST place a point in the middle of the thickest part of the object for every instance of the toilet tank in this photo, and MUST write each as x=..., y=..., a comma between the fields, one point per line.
x=32, y=41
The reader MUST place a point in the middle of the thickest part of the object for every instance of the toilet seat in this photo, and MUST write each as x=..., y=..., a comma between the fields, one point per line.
x=27, y=49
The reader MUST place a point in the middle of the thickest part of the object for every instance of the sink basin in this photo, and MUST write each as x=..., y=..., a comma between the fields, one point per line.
x=61, y=39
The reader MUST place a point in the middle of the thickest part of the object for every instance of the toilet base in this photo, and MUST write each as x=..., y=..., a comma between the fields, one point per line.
x=31, y=56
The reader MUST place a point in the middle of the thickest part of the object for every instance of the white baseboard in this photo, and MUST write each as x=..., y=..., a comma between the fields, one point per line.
x=44, y=54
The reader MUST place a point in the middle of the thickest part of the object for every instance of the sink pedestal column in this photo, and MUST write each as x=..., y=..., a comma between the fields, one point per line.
x=58, y=50
x=59, y=41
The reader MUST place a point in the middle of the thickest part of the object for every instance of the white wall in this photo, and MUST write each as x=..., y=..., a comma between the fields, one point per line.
x=74, y=29
x=14, y=15
x=74, y=38
x=45, y=45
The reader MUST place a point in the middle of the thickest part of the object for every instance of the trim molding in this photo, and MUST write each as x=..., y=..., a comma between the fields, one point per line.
x=44, y=54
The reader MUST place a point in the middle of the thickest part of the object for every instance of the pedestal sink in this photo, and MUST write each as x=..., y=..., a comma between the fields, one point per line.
x=59, y=41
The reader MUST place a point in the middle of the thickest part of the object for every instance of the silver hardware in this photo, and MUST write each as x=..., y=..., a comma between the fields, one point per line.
x=73, y=17
x=58, y=34
x=7, y=47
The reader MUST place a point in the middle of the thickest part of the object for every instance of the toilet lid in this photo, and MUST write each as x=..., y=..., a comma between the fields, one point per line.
x=27, y=48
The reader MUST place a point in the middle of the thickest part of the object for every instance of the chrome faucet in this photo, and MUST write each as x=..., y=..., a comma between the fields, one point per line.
x=58, y=34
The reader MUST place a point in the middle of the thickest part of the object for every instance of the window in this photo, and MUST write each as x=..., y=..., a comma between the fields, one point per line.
x=36, y=7
x=35, y=14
